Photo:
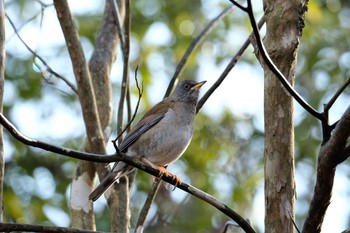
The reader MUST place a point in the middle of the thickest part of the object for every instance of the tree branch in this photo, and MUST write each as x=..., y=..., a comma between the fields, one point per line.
x=134, y=162
x=227, y=70
x=140, y=225
x=333, y=152
x=118, y=22
x=48, y=68
x=336, y=95
x=125, y=79
x=82, y=76
x=15, y=227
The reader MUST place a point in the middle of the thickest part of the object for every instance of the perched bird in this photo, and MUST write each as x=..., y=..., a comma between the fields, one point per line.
x=161, y=136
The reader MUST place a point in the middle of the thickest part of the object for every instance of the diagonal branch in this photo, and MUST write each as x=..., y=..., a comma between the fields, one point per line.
x=134, y=162
x=48, y=68
x=212, y=24
x=336, y=95
x=227, y=70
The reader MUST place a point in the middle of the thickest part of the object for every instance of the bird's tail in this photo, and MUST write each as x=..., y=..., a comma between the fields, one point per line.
x=107, y=182
x=120, y=169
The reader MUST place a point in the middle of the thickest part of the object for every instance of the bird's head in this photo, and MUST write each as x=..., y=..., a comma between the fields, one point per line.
x=187, y=91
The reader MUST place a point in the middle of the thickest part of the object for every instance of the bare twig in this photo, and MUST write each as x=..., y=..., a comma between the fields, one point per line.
x=43, y=5
x=336, y=95
x=48, y=68
x=140, y=91
x=147, y=206
x=212, y=24
x=132, y=161
x=227, y=70
x=125, y=79
x=116, y=11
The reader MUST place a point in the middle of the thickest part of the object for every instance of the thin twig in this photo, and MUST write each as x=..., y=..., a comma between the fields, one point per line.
x=125, y=79
x=147, y=206
x=100, y=158
x=48, y=68
x=212, y=24
x=140, y=91
x=116, y=11
x=336, y=95
x=228, y=68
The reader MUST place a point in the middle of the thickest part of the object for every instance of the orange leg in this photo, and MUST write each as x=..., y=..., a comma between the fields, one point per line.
x=163, y=171
x=175, y=177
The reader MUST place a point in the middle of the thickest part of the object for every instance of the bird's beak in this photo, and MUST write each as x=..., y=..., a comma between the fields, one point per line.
x=198, y=85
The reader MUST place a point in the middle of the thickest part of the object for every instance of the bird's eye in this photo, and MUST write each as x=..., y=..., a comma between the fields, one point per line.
x=187, y=86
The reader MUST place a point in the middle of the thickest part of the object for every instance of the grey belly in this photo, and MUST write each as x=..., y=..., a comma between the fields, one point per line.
x=162, y=148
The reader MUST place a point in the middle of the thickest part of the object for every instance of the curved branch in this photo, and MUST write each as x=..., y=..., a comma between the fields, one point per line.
x=134, y=162
x=271, y=65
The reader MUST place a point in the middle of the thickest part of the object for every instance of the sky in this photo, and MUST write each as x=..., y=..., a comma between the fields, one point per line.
x=244, y=103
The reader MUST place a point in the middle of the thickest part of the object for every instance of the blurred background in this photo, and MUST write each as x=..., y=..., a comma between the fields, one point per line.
x=225, y=157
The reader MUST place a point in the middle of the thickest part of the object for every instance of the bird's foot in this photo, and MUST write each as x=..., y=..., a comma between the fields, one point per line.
x=175, y=177
x=163, y=171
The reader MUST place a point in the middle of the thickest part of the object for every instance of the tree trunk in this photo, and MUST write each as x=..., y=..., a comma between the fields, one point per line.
x=283, y=29
x=2, y=81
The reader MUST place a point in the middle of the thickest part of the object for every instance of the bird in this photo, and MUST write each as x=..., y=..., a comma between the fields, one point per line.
x=160, y=137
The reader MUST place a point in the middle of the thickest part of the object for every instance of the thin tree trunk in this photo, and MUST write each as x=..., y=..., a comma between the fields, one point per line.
x=2, y=80
x=283, y=29
x=81, y=207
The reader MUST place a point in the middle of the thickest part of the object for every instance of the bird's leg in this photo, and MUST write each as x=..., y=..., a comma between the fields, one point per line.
x=163, y=171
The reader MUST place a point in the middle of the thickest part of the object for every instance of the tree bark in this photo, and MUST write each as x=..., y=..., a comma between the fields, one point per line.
x=333, y=152
x=81, y=207
x=100, y=66
x=284, y=23
x=2, y=81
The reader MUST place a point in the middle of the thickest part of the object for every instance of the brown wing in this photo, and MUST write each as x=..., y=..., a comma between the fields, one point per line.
x=150, y=119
